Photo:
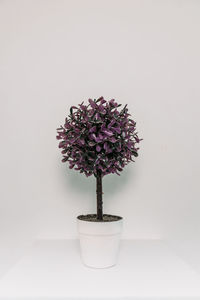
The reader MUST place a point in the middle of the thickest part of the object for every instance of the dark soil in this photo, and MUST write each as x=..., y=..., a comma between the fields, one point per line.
x=93, y=218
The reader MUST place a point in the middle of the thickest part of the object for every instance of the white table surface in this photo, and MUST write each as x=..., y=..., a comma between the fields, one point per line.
x=147, y=269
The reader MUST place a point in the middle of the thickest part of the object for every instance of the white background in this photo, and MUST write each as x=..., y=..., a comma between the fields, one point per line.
x=55, y=54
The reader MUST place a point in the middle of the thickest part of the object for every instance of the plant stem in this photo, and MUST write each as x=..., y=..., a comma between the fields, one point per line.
x=99, y=196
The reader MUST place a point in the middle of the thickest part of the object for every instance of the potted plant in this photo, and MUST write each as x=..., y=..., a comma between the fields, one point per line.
x=99, y=139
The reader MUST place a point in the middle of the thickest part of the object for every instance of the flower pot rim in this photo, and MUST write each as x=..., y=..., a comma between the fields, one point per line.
x=114, y=218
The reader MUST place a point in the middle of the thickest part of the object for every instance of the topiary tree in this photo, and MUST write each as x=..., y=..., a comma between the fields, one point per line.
x=98, y=139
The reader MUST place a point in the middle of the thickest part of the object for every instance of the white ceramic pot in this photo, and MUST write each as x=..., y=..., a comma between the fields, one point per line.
x=99, y=242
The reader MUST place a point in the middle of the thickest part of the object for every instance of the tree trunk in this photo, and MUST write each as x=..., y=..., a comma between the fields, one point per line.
x=99, y=196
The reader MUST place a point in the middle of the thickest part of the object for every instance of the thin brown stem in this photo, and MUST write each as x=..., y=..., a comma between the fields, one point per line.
x=99, y=196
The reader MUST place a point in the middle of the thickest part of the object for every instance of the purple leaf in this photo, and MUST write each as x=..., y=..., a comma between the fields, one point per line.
x=82, y=142
x=113, y=139
x=61, y=144
x=65, y=158
x=102, y=109
x=92, y=103
x=91, y=144
x=102, y=100
x=105, y=146
x=98, y=148
x=111, y=123
x=108, y=132
x=93, y=136
x=71, y=164
x=113, y=103
x=116, y=129
x=92, y=129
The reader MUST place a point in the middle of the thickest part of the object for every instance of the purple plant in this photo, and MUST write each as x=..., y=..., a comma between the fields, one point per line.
x=98, y=139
